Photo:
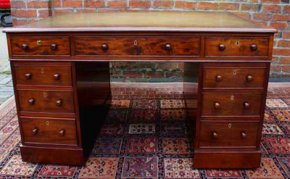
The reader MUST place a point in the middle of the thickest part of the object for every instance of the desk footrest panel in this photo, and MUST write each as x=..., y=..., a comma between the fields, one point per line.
x=231, y=159
x=49, y=155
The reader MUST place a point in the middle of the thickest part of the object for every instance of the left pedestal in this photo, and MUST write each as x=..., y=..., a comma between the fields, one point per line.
x=48, y=111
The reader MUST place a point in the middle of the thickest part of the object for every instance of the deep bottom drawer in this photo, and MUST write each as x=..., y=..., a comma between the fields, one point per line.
x=228, y=134
x=48, y=131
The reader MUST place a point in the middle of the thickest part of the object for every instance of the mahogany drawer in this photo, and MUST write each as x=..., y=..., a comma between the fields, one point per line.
x=46, y=101
x=129, y=45
x=48, y=131
x=234, y=77
x=228, y=134
x=48, y=73
x=231, y=104
x=40, y=45
x=236, y=46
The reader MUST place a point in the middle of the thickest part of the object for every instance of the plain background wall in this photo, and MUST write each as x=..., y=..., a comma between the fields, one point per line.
x=3, y=51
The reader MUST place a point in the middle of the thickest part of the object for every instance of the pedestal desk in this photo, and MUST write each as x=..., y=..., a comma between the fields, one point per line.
x=61, y=77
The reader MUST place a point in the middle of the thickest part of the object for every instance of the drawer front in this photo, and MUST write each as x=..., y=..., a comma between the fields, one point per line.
x=40, y=45
x=103, y=46
x=46, y=101
x=236, y=46
x=43, y=74
x=48, y=131
x=151, y=46
x=231, y=104
x=234, y=77
x=166, y=46
x=228, y=134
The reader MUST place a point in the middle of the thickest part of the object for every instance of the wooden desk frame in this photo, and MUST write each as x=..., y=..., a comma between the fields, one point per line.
x=233, y=77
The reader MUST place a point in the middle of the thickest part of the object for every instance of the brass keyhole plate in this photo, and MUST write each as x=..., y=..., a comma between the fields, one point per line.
x=39, y=42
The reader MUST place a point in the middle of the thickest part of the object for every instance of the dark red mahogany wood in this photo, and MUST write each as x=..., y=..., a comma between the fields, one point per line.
x=61, y=79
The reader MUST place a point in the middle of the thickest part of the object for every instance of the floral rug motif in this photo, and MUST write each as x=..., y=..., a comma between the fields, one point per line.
x=145, y=136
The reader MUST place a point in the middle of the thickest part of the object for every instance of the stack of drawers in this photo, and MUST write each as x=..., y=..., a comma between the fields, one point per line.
x=232, y=98
x=46, y=110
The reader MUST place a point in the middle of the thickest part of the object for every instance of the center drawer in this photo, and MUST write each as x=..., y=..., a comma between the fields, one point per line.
x=228, y=134
x=48, y=131
x=130, y=45
x=231, y=104
x=46, y=101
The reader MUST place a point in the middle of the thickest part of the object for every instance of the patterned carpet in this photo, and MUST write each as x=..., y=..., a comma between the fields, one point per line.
x=145, y=136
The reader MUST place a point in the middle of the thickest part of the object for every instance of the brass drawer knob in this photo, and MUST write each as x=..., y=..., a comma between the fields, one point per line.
x=218, y=78
x=168, y=47
x=214, y=135
x=61, y=132
x=249, y=78
x=53, y=46
x=59, y=102
x=34, y=131
x=28, y=76
x=104, y=46
x=243, y=134
x=31, y=101
x=217, y=105
x=222, y=47
x=25, y=46
x=246, y=105
x=56, y=76
x=253, y=47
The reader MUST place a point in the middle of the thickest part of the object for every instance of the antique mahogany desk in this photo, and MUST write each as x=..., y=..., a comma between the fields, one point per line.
x=61, y=78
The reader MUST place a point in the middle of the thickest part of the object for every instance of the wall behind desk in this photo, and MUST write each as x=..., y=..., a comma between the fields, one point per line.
x=3, y=52
x=275, y=13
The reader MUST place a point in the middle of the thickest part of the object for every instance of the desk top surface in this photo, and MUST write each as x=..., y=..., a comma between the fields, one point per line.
x=144, y=21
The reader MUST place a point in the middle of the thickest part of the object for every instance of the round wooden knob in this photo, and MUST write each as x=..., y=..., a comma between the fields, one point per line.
x=222, y=47
x=253, y=47
x=168, y=46
x=53, y=46
x=214, y=135
x=31, y=101
x=105, y=46
x=34, y=131
x=243, y=134
x=249, y=78
x=28, y=76
x=59, y=102
x=56, y=76
x=25, y=46
x=216, y=105
x=61, y=132
x=246, y=105
x=218, y=78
